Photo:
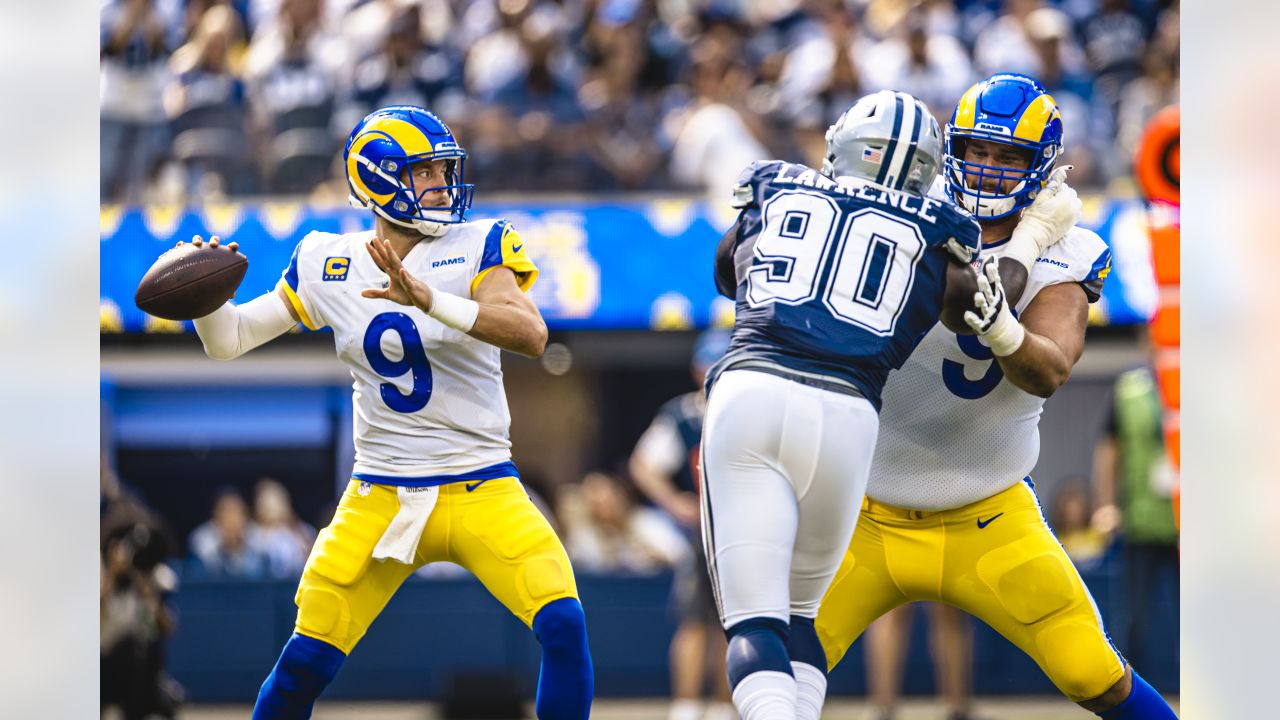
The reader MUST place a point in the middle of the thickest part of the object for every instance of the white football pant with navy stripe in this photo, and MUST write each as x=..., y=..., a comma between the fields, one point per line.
x=784, y=469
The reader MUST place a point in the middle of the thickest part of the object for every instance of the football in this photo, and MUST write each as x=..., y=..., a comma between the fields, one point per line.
x=190, y=281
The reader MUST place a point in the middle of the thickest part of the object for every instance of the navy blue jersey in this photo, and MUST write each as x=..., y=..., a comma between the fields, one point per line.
x=837, y=282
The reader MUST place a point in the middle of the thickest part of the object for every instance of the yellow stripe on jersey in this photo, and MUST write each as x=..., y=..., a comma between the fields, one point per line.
x=503, y=247
x=296, y=302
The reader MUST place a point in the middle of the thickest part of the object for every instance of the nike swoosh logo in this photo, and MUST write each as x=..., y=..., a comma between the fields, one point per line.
x=983, y=523
x=517, y=248
x=476, y=484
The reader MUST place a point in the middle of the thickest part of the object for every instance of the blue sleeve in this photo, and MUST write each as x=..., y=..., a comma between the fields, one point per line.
x=290, y=274
x=503, y=246
x=959, y=233
x=751, y=182
x=1092, y=283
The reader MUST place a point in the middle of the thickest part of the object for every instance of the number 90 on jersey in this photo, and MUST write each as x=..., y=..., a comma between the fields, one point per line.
x=861, y=263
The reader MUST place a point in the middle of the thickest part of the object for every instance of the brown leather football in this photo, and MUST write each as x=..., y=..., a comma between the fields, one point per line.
x=190, y=281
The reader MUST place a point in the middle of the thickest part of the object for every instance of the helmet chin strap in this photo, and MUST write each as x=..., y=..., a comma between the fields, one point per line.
x=986, y=206
x=430, y=229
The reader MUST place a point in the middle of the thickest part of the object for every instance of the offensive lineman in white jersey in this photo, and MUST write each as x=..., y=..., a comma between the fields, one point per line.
x=420, y=308
x=950, y=513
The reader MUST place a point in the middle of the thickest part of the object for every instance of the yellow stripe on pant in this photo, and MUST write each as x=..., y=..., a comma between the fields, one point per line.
x=494, y=531
x=996, y=559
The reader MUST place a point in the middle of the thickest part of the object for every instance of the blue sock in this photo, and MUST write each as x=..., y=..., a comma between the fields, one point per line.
x=1143, y=703
x=566, y=682
x=804, y=645
x=755, y=645
x=305, y=668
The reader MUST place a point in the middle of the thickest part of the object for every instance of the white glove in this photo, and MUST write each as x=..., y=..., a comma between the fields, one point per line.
x=1049, y=217
x=994, y=322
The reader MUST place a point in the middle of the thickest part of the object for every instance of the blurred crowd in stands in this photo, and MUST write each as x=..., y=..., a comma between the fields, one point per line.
x=202, y=99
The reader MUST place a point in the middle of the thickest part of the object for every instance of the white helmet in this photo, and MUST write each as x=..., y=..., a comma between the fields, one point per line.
x=889, y=138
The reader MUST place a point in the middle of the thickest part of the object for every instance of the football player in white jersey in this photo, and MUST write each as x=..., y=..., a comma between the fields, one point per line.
x=420, y=308
x=950, y=513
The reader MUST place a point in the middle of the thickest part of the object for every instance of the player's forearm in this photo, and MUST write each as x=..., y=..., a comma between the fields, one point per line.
x=511, y=328
x=1038, y=366
x=231, y=331
x=1014, y=278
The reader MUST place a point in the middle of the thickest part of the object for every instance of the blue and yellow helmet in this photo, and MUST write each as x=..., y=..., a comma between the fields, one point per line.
x=1009, y=109
x=383, y=145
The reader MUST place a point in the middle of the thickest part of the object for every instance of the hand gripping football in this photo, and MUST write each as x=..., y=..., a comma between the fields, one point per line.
x=190, y=281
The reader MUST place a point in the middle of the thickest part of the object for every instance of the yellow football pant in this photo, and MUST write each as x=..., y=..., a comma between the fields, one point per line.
x=996, y=559
x=494, y=531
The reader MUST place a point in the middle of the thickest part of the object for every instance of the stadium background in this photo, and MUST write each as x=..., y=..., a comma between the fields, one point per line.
x=608, y=133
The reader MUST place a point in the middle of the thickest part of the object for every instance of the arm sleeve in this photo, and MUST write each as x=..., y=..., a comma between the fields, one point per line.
x=231, y=331
x=503, y=247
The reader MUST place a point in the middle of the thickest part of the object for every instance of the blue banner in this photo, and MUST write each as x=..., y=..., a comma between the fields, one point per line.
x=636, y=265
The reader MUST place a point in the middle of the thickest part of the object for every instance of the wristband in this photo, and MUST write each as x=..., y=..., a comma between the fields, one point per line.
x=456, y=312
x=1005, y=335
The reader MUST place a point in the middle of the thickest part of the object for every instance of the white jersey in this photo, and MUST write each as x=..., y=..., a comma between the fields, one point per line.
x=429, y=403
x=953, y=430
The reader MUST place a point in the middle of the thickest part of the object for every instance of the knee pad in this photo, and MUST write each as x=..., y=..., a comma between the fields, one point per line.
x=1078, y=658
x=1031, y=581
x=755, y=645
x=804, y=646
x=542, y=577
x=324, y=614
x=561, y=625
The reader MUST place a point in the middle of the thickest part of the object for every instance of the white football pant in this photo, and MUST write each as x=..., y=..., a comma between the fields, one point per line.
x=784, y=469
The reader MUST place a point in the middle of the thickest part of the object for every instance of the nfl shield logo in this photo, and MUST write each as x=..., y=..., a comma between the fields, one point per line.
x=365, y=488
x=871, y=154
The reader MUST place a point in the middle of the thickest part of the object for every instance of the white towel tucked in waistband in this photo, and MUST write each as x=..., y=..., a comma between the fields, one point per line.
x=400, y=541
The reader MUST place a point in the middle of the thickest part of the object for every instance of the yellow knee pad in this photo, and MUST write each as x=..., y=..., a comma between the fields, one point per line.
x=324, y=614
x=1077, y=657
x=1033, y=581
x=543, y=577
